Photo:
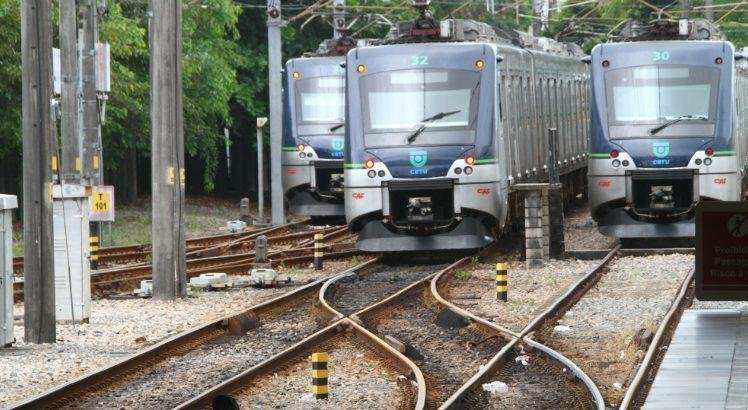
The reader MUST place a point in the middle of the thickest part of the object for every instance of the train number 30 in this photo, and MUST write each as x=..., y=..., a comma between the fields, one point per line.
x=661, y=56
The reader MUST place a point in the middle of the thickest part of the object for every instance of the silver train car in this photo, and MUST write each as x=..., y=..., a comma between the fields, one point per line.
x=443, y=119
x=669, y=129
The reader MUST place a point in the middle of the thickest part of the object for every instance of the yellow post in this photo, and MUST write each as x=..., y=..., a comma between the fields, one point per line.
x=318, y=251
x=93, y=247
x=319, y=375
x=502, y=284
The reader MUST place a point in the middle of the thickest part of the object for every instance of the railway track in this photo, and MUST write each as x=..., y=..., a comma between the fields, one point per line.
x=196, y=359
x=602, y=322
x=240, y=242
x=297, y=251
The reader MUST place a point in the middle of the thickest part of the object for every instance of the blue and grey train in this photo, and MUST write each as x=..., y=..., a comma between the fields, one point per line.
x=443, y=120
x=669, y=127
x=313, y=120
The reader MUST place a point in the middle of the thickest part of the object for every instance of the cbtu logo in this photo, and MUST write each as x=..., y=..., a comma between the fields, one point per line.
x=418, y=159
x=661, y=149
x=338, y=144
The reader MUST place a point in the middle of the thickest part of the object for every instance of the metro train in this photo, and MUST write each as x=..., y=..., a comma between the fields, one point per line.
x=669, y=128
x=443, y=118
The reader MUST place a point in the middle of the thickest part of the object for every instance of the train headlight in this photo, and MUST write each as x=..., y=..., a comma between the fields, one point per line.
x=718, y=60
x=371, y=173
x=468, y=170
x=698, y=161
x=302, y=155
x=616, y=163
x=708, y=161
x=470, y=160
x=296, y=75
x=300, y=147
x=606, y=64
x=625, y=163
x=369, y=164
x=361, y=69
x=380, y=173
x=709, y=152
x=458, y=171
x=614, y=153
x=479, y=64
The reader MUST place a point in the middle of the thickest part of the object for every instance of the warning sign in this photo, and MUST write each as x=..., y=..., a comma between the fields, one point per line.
x=722, y=251
x=102, y=203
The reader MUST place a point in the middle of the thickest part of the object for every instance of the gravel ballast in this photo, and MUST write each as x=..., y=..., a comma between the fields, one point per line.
x=599, y=333
x=117, y=329
x=473, y=288
x=357, y=379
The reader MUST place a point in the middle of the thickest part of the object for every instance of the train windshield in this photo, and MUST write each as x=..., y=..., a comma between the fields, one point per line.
x=320, y=100
x=657, y=94
x=442, y=102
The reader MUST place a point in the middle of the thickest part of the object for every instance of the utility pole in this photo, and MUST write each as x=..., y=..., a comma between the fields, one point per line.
x=167, y=150
x=537, y=13
x=709, y=11
x=88, y=37
x=338, y=18
x=274, y=24
x=685, y=8
x=38, y=150
x=70, y=166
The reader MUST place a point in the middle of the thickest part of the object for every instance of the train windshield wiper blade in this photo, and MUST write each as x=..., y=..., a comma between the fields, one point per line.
x=337, y=127
x=659, y=128
x=412, y=137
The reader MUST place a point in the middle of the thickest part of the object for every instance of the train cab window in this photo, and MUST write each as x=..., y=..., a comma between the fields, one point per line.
x=320, y=100
x=656, y=94
x=443, y=102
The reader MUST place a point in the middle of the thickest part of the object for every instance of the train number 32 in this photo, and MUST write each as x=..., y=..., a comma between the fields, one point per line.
x=661, y=56
x=419, y=60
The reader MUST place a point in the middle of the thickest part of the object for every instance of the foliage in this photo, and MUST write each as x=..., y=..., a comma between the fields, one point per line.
x=225, y=59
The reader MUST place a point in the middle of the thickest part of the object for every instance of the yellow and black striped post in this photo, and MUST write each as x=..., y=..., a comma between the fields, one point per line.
x=318, y=251
x=501, y=281
x=319, y=375
x=93, y=247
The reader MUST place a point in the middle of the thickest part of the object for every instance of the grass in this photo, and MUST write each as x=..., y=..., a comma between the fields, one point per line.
x=462, y=274
x=203, y=216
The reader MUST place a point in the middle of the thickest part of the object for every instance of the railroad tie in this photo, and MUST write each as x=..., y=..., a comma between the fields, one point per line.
x=93, y=247
x=318, y=251
x=502, y=285
x=319, y=375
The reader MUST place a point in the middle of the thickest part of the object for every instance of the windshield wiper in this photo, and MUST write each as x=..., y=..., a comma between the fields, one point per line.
x=659, y=128
x=337, y=127
x=412, y=137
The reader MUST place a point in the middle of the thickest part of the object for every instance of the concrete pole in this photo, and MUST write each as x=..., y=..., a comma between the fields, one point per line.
x=537, y=14
x=91, y=146
x=709, y=11
x=260, y=171
x=276, y=106
x=685, y=8
x=167, y=152
x=70, y=166
x=38, y=143
x=338, y=18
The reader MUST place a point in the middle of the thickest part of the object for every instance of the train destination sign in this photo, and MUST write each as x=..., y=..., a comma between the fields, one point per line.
x=722, y=251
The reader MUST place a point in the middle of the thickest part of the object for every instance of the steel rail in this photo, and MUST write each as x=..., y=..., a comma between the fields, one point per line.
x=103, y=279
x=573, y=293
x=649, y=358
x=158, y=352
x=404, y=365
x=237, y=323
x=454, y=401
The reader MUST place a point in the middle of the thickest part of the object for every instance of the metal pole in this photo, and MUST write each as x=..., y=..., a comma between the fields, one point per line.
x=227, y=138
x=338, y=17
x=709, y=11
x=276, y=105
x=260, y=171
x=552, y=170
x=90, y=131
x=70, y=166
x=167, y=152
x=685, y=8
x=537, y=11
x=38, y=143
